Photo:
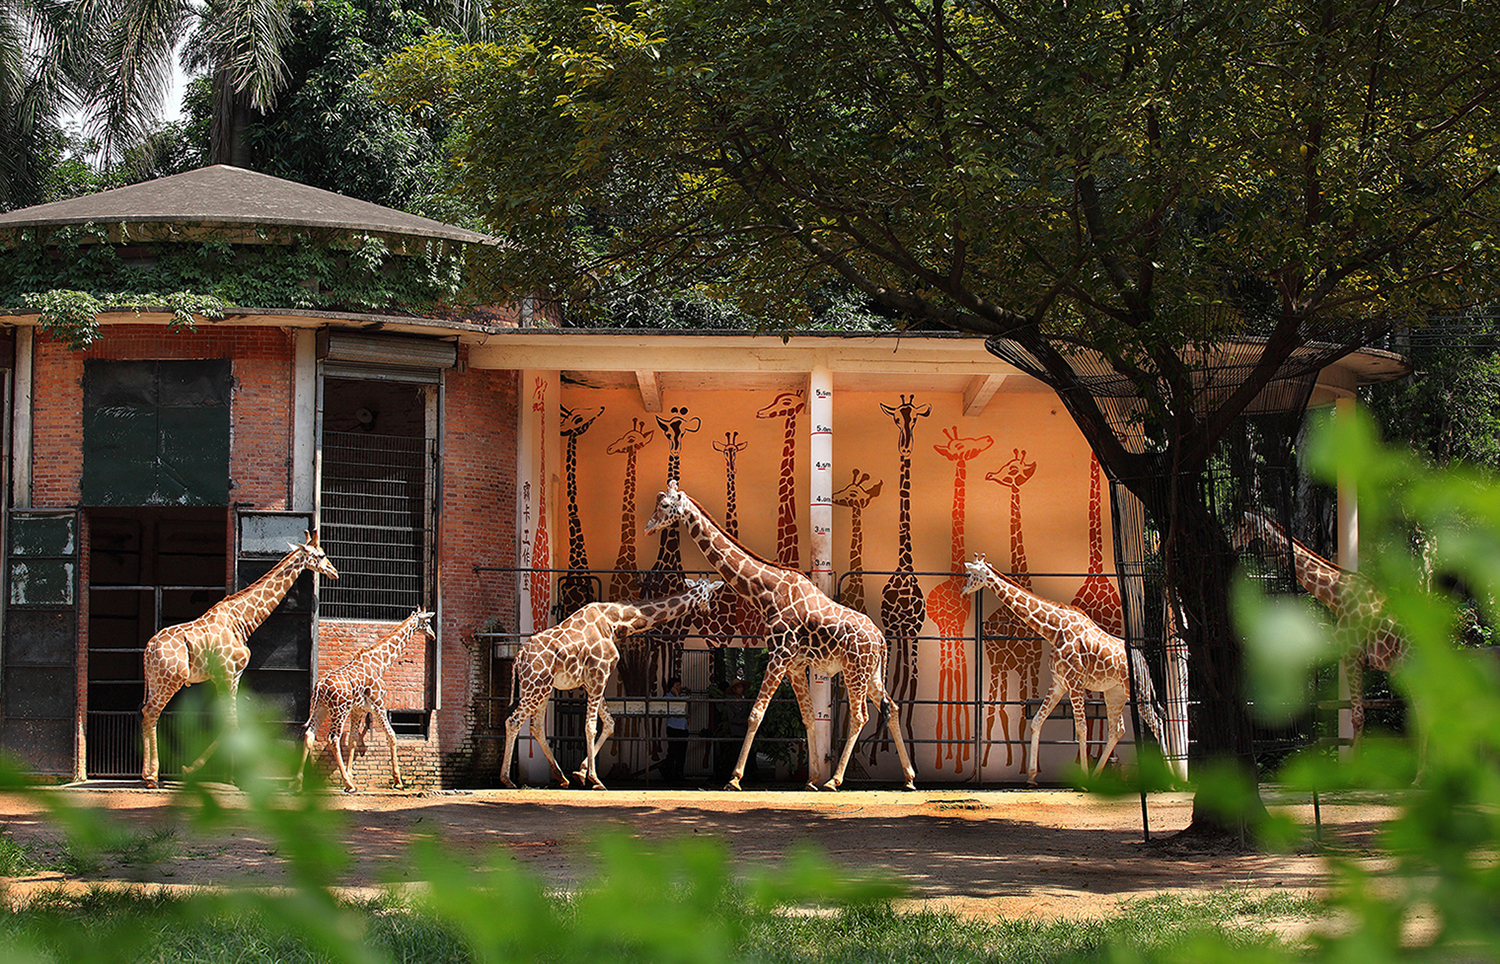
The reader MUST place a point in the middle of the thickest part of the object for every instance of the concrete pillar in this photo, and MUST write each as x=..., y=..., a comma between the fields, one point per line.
x=1348, y=550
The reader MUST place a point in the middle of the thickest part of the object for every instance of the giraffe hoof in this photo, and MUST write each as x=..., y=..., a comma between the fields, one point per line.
x=508, y=783
x=831, y=786
x=732, y=785
x=150, y=783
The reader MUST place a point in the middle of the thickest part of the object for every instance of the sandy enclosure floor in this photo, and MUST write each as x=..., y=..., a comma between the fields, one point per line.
x=1040, y=854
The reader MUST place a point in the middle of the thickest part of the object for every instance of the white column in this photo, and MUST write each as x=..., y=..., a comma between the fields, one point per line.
x=304, y=417
x=530, y=762
x=821, y=518
x=1348, y=547
x=20, y=426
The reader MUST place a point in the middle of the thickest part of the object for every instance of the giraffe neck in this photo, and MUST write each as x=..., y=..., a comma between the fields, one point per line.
x=740, y=569
x=731, y=512
x=644, y=615
x=960, y=475
x=1040, y=614
x=669, y=550
x=1096, y=519
x=1017, y=542
x=256, y=601
x=1316, y=574
x=903, y=504
x=786, y=530
x=626, y=558
x=578, y=553
x=855, y=585
x=380, y=656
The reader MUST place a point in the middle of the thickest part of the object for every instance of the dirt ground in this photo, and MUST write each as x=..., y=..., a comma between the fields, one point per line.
x=1038, y=854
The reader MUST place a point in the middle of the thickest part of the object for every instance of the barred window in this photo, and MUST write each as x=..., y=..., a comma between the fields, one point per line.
x=375, y=515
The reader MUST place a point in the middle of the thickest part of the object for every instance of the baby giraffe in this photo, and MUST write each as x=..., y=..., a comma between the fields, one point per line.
x=342, y=691
x=582, y=650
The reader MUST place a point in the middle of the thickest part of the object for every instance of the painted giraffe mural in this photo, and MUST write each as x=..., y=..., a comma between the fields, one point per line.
x=573, y=591
x=541, y=550
x=786, y=407
x=1097, y=597
x=902, y=609
x=859, y=493
x=949, y=608
x=1009, y=645
x=622, y=583
x=665, y=577
x=730, y=617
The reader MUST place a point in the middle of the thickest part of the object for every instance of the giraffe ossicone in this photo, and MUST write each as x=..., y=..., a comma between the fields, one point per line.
x=214, y=647
x=356, y=683
x=583, y=650
x=1084, y=657
x=805, y=632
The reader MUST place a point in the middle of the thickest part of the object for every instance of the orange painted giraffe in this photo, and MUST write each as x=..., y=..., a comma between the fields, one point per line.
x=1097, y=597
x=949, y=609
x=541, y=551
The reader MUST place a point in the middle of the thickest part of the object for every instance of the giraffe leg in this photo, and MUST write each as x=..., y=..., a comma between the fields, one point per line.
x=993, y=709
x=893, y=723
x=607, y=727
x=539, y=733
x=1053, y=696
x=800, y=688
x=859, y=713
x=593, y=738
x=309, y=738
x=340, y=725
x=1080, y=726
x=532, y=697
x=390, y=738
x=1114, y=710
x=775, y=670
x=1354, y=674
x=158, y=694
x=230, y=692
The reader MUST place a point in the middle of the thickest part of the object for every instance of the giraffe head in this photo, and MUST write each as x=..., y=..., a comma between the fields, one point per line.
x=576, y=421
x=671, y=508
x=423, y=622
x=638, y=437
x=310, y=556
x=1254, y=526
x=980, y=574
x=784, y=405
x=857, y=494
x=905, y=416
x=702, y=591
x=1013, y=474
x=956, y=448
x=678, y=424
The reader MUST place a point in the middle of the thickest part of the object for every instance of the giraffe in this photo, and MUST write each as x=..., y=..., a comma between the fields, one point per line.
x=1367, y=638
x=786, y=406
x=541, y=549
x=622, y=583
x=805, y=632
x=582, y=650
x=356, y=683
x=730, y=615
x=949, y=609
x=574, y=591
x=855, y=496
x=665, y=577
x=1084, y=657
x=215, y=646
x=1009, y=646
x=1097, y=597
x=902, y=612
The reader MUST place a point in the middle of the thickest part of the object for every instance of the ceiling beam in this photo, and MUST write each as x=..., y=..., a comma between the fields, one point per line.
x=650, y=386
x=979, y=391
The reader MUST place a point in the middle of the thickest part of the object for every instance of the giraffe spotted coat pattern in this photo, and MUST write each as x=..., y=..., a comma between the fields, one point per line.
x=358, y=683
x=805, y=632
x=215, y=646
x=582, y=650
x=1084, y=657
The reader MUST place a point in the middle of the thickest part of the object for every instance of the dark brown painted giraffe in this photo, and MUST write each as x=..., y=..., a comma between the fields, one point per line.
x=574, y=591
x=786, y=406
x=581, y=651
x=806, y=633
x=622, y=584
x=949, y=609
x=665, y=578
x=730, y=617
x=902, y=608
x=1097, y=597
x=1009, y=644
x=541, y=549
x=855, y=496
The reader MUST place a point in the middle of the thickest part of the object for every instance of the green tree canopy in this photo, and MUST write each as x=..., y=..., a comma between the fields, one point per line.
x=1126, y=182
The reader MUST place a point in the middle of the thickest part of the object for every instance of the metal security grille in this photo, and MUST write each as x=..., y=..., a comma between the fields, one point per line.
x=376, y=524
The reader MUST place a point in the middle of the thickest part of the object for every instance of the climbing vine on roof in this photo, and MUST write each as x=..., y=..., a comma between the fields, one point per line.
x=73, y=273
